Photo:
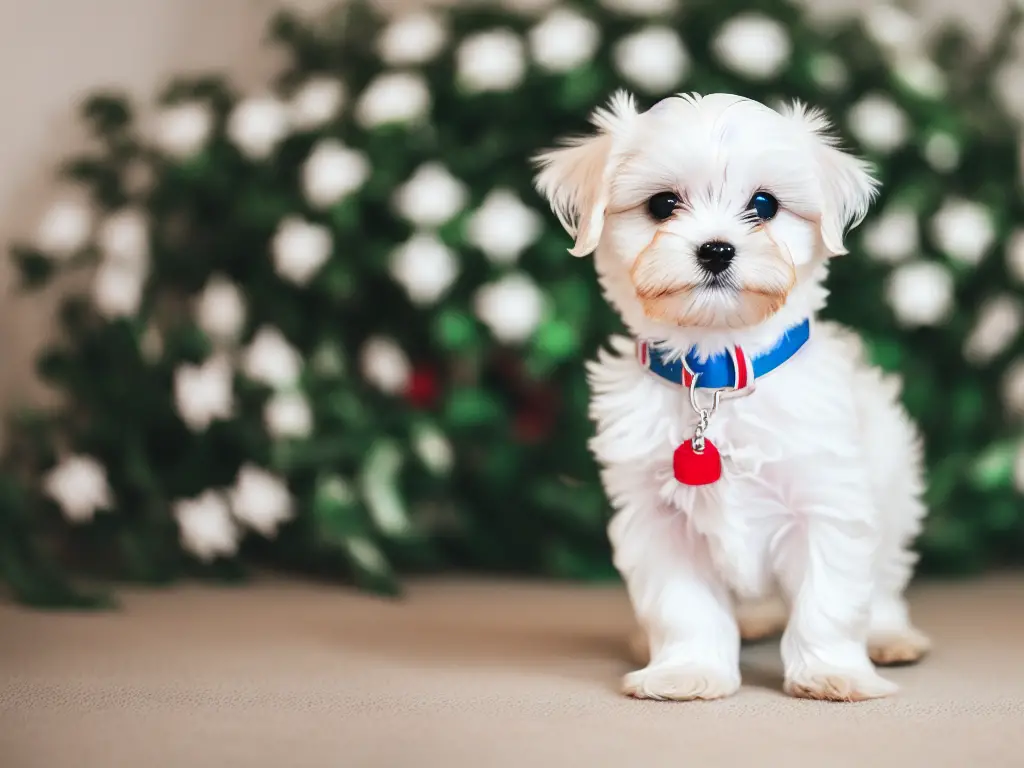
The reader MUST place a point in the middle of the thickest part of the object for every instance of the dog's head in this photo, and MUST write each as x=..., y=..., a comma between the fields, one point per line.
x=705, y=211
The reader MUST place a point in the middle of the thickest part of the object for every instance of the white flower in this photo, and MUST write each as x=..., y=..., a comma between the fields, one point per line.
x=999, y=321
x=641, y=7
x=963, y=230
x=117, y=290
x=653, y=59
x=414, y=38
x=204, y=392
x=512, y=307
x=922, y=75
x=385, y=365
x=564, y=40
x=257, y=125
x=394, y=97
x=124, y=238
x=1018, y=468
x=121, y=276
x=317, y=102
x=1015, y=255
x=893, y=237
x=1009, y=88
x=79, y=486
x=220, y=311
x=425, y=267
x=205, y=527
x=287, y=414
x=182, y=130
x=891, y=27
x=942, y=152
x=753, y=45
x=920, y=293
x=1013, y=387
x=490, y=61
x=331, y=172
x=829, y=71
x=878, y=123
x=503, y=227
x=261, y=500
x=300, y=249
x=64, y=229
x=271, y=360
x=433, y=449
x=430, y=197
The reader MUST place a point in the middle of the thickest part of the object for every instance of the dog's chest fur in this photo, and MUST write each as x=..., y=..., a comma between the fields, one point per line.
x=803, y=409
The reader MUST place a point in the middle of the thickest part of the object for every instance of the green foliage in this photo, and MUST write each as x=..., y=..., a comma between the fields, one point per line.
x=476, y=458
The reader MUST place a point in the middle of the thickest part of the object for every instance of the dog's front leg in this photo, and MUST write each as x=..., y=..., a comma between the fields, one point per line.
x=825, y=566
x=682, y=605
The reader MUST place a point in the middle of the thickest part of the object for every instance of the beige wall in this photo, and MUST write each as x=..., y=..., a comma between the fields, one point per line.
x=52, y=52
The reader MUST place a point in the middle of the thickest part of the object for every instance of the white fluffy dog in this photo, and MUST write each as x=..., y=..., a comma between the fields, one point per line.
x=712, y=220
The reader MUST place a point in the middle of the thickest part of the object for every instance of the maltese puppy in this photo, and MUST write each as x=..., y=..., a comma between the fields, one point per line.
x=763, y=474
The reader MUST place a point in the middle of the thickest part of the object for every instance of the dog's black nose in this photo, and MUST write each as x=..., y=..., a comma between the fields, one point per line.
x=716, y=256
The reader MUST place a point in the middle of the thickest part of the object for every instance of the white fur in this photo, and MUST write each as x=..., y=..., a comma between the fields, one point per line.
x=821, y=486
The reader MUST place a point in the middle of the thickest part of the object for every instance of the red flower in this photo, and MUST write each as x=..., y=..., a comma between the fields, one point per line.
x=535, y=419
x=424, y=389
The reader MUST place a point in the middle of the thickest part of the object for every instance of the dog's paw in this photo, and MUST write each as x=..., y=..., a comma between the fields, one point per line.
x=679, y=682
x=898, y=648
x=839, y=685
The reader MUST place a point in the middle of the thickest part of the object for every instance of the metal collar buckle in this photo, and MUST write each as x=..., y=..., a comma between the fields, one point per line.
x=704, y=414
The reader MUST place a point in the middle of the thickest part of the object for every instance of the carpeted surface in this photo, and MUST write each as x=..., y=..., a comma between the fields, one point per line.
x=289, y=674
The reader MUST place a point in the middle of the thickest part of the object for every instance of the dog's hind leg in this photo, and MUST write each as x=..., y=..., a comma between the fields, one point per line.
x=893, y=640
x=898, y=488
x=761, y=619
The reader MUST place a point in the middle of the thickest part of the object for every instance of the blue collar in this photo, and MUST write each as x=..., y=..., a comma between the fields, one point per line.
x=731, y=369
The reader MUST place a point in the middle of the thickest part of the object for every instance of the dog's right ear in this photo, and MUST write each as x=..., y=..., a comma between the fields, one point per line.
x=575, y=177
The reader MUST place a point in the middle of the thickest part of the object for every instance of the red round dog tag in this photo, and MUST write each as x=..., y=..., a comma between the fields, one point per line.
x=692, y=468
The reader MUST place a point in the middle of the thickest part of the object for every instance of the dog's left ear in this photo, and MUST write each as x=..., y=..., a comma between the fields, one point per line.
x=847, y=184
x=575, y=177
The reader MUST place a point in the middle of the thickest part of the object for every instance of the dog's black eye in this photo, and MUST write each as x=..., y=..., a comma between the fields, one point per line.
x=764, y=205
x=662, y=205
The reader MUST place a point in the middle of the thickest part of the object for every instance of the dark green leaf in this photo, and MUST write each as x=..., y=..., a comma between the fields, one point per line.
x=34, y=268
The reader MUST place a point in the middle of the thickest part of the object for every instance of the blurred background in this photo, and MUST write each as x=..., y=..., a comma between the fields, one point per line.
x=285, y=329
x=281, y=294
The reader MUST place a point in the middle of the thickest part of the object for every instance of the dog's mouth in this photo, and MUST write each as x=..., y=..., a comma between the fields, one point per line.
x=723, y=282
x=709, y=286
x=717, y=302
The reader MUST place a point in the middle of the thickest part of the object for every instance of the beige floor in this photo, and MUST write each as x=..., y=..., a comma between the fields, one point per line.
x=468, y=674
